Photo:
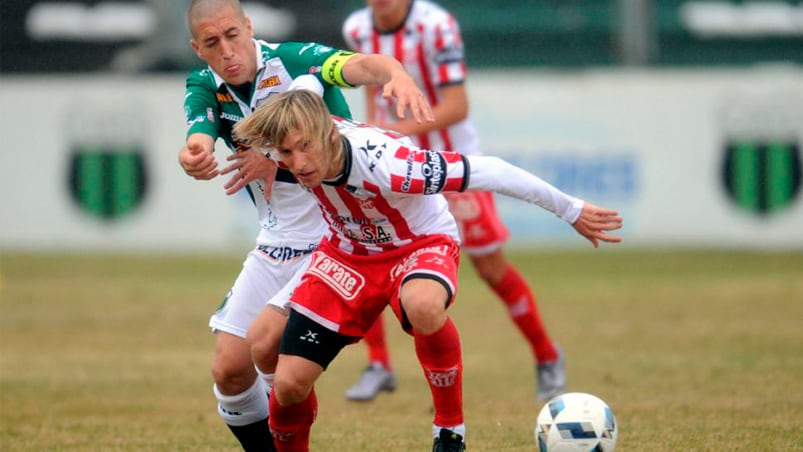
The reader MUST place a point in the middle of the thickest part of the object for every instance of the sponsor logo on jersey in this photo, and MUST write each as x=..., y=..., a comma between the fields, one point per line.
x=224, y=97
x=210, y=114
x=408, y=175
x=341, y=278
x=269, y=82
x=411, y=261
x=434, y=171
x=449, y=55
x=230, y=116
x=283, y=253
x=373, y=152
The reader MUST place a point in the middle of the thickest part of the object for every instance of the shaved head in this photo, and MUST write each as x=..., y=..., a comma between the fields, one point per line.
x=201, y=9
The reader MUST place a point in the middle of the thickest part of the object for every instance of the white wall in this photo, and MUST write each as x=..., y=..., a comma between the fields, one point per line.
x=649, y=144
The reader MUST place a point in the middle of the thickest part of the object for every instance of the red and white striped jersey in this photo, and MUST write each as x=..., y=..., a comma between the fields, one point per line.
x=430, y=47
x=377, y=204
x=389, y=193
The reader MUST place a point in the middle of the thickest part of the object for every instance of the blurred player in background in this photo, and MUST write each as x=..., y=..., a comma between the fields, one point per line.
x=388, y=245
x=241, y=73
x=426, y=39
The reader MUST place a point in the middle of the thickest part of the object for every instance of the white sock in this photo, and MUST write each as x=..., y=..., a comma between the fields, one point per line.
x=267, y=379
x=244, y=408
x=459, y=429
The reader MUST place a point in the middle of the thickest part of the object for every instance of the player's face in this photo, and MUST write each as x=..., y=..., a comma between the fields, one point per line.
x=308, y=160
x=223, y=41
x=389, y=8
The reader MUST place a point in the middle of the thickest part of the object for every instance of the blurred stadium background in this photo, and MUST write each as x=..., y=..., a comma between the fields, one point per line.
x=687, y=116
x=684, y=115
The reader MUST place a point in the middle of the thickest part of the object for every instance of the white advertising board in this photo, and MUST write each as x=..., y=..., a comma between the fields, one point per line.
x=690, y=158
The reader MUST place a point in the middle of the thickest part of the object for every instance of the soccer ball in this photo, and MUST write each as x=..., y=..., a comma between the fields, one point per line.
x=575, y=422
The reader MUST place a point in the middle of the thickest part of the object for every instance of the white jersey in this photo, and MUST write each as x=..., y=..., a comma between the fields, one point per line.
x=378, y=204
x=430, y=47
x=290, y=222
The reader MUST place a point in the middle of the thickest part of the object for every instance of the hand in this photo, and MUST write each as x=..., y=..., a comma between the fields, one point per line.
x=198, y=162
x=594, y=222
x=408, y=95
x=250, y=166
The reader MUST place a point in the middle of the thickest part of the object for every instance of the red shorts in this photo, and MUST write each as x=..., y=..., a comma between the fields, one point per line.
x=481, y=229
x=346, y=293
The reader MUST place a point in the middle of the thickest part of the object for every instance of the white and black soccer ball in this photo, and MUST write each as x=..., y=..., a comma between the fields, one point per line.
x=576, y=422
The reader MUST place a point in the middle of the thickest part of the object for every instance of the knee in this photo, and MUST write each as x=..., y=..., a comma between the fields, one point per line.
x=265, y=351
x=426, y=313
x=263, y=338
x=232, y=376
x=288, y=391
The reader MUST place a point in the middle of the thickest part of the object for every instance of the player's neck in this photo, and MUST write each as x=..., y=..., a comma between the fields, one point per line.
x=338, y=160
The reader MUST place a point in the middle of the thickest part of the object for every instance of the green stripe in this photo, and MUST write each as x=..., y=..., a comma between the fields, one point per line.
x=90, y=179
x=125, y=181
x=779, y=175
x=745, y=183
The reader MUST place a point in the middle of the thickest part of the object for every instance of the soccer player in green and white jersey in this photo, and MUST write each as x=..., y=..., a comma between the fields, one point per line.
x=243, y=72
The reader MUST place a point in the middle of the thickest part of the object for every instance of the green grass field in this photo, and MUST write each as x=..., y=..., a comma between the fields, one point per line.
x=694, y=351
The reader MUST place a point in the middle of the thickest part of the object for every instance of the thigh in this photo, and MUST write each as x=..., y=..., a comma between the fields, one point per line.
x=295, y=269
x=260, y=279
x=312, y=341
x=343, y=293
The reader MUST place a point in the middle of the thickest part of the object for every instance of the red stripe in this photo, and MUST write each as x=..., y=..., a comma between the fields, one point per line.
x=452, y=157
x=396, y=182
x=426, y=79
x=353, y=35
x=443, y=74
x=357, y=214
x=453, y=184
x=443, y=69
x=331, y=214
x=398, y=221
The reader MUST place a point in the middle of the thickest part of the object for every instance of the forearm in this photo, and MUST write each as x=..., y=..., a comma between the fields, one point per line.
x=450, y=110
x=494, y=174
x=373, y=69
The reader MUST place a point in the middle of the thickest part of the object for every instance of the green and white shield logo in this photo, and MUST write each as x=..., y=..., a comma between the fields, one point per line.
x=762, y=142
x=762, y=177
x=107, y=181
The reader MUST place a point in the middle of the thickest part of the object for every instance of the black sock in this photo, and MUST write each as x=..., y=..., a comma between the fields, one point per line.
x=254, y=437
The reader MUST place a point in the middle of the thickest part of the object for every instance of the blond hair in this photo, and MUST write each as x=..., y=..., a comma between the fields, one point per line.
x=280, y=114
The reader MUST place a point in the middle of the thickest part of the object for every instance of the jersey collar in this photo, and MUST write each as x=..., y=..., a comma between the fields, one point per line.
x=344, y=176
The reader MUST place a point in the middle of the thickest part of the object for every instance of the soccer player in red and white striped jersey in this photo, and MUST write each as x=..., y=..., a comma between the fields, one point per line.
x=391, y=242
x=426, y=39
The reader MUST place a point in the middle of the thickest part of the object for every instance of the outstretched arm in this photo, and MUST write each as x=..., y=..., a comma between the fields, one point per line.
x=376, y=69
x=590, y=221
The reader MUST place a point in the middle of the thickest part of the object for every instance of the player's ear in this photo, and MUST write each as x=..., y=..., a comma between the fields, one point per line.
x=248, y=27
x=333, y=135
x=195, y=47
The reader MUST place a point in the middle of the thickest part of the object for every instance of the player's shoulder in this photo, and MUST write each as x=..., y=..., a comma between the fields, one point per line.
x=201, y=78
x=427, y=12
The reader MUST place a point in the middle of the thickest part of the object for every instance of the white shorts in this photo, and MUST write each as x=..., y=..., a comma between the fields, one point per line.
x=263, y=280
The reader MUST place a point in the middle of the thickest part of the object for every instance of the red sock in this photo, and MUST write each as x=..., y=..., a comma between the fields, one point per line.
x=520, y=301
x=290, y=425
x=441, y=358
x=375, y=341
